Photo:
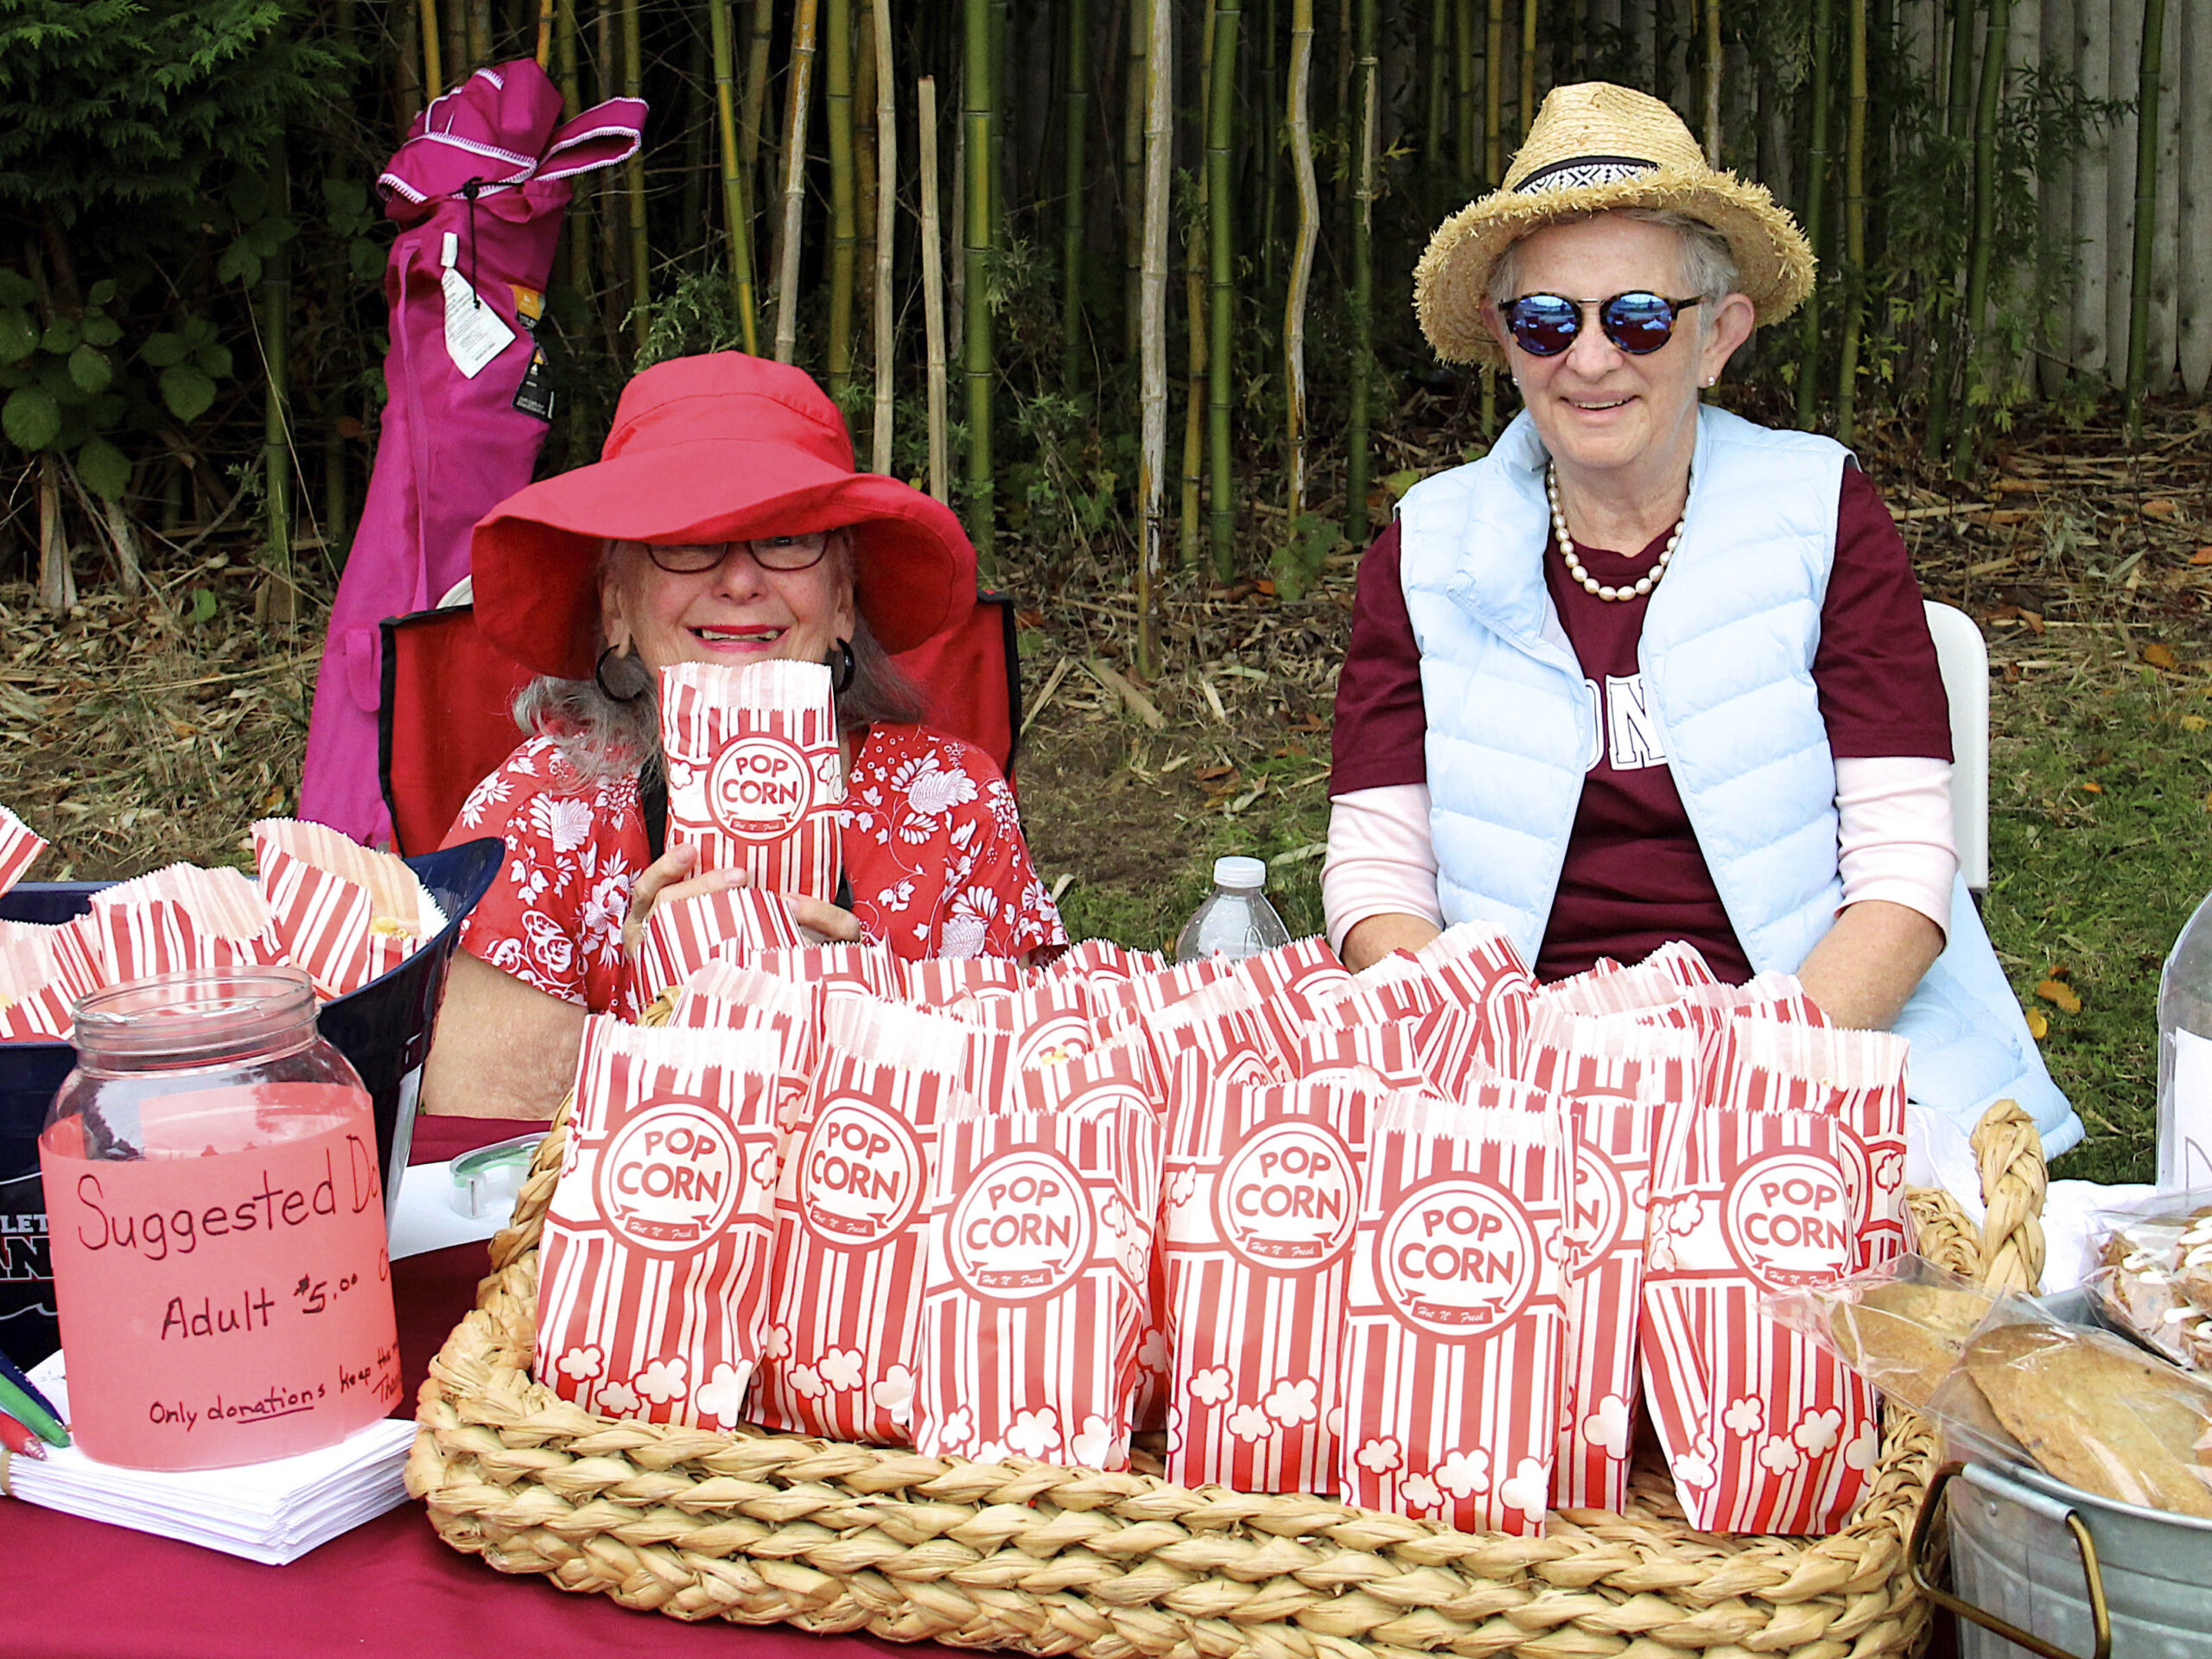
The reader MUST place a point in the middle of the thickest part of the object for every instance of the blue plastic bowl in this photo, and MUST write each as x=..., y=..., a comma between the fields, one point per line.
x=384, y=1029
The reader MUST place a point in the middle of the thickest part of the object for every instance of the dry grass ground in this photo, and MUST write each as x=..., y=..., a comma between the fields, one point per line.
x=144, y=730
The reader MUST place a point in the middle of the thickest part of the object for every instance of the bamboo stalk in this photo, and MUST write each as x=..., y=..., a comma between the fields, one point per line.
x=837, y=90
x=606, y=72
x=2146, y=217
x=1468, y=127
x=456, y=44
x=933, y=292
x=282, y=608
x=737, y=212
x=2166, y=252
x=57, y=582
x=576, y=224
x=2193, y=207
x=544, y=34
x=1985, y=221
x=1195, y=396
x=1077, y=121
x=1221, y=212
x=1715, y=60
x=1493, y=96
x=2054, y=217
x=752, y=122
x=800, y=78
x=1526, y=112
x=641, y=264
x=1958, y=107
x=1433, y=109
x=865, y=142
x=1854, y=226
x=1159, y=136
x=980, y=124
x=2092, y=65
x=956, y=308
x=1001, y=25
x=1289, y=566
x=480, y=33
x=886, y=202
x=2127, y=48
x=434, y=70
x=1816, y=181
x=1362, y=264
x=408, y=96
x=1135, y=174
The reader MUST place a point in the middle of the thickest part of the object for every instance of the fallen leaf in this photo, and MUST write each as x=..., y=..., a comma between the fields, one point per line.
x=1207, y=774
x=2059, y=994
x=1265, y=585
x=2033, y=621
x=2203, y=556
x=2058, y=970
x=2160, y=655
x=2092, y=789
x=2194, y=722
x=1030, y=618
x=2158, y=507
x=2038, y=1027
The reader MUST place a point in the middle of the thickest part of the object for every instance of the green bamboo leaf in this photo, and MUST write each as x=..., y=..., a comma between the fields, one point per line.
x=187, y=391
x=18, y=334
x=214, y=361
x=16, y=287
x=30, y=418
x=164, y=351
x=104, y=468
x=89, y=369
x=61, y=336
x=102, y=331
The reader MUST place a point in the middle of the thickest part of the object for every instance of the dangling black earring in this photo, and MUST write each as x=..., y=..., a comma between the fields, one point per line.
x=599, y=675
x=845, y=666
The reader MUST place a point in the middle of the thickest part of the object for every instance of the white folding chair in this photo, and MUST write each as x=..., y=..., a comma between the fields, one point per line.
x=1964, y=661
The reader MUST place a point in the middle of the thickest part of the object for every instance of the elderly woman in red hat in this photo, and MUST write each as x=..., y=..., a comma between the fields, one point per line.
x=724, y=523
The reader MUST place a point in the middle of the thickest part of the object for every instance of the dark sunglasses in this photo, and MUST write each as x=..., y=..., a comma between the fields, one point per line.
x=1544, y=325
x=769, y=552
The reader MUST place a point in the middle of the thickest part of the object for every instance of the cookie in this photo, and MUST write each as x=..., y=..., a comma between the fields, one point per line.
x=2094, y=1413
x=1904, y=1337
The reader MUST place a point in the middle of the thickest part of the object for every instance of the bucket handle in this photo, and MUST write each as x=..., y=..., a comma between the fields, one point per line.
x=1917, y=1563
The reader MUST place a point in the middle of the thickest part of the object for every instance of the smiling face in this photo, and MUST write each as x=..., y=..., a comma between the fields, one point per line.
x=734, y=614
x=1601, y=412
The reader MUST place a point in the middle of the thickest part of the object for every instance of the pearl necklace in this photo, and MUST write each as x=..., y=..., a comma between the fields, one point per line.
x=1591, y=584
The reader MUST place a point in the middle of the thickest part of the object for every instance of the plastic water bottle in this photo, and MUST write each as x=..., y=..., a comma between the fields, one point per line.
x=1236, y=920
x=2185, y=1056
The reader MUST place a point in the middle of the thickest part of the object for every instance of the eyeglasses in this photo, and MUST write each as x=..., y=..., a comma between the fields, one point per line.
x=769, y=552
x=1544, y=325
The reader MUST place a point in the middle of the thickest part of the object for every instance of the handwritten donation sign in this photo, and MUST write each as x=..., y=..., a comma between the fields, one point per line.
x=226, y=1298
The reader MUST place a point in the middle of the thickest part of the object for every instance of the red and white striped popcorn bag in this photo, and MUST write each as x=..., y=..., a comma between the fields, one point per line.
x=868, y=968
x=43, y=971
x=755, y=775
x=1298, y=977
x=1355, y=1055
x=1452, y=1357
x=1046, y=1024
x=1857, y=1078
x=734, y=994
x=940, y=982
x=1617, y=1081
x=180, y=919
x=683, y=935
x=1040, y=1226
x=19, y=846
x=346, y=914
x=1101, y=960
x=851, y=1223
x=653, y=1279
x=1261, y=1200
x=1118, y=1006
x=1764, y=1432
x=1611, y=989
x=1440, y=1040
x=1477, y=967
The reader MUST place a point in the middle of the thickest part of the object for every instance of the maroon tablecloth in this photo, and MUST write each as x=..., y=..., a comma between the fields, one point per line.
x=80, y=1589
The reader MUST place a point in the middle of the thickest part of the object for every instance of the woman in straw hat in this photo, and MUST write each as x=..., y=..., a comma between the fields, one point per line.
x=1647, y=671
x=724, y=523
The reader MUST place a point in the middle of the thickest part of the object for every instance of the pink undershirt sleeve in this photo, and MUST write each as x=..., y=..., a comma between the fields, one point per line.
x=1381, y=861
x=1894, y=833
x=1894, y=843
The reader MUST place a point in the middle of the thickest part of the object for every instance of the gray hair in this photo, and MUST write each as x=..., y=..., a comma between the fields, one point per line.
x=605, y=737
x=1708, y=264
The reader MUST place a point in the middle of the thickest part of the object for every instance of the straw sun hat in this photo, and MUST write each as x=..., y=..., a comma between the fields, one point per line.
x=1595, y=147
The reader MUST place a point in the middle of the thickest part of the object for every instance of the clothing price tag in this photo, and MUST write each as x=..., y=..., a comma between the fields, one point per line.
x=475, y=333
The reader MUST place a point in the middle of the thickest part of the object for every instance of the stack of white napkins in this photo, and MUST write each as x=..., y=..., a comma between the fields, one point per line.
x=268, y=1512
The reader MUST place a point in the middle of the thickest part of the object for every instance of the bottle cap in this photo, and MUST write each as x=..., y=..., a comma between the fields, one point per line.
x=1240, y=874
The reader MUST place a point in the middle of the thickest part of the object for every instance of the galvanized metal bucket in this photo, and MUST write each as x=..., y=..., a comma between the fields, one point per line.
x=2039, y=1567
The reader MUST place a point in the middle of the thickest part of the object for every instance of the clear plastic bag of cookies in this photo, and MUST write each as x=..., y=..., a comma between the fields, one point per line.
x=1902, y=1326
x=2153, y=1278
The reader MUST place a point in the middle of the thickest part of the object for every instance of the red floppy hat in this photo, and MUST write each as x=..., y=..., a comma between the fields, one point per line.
x=723, y=448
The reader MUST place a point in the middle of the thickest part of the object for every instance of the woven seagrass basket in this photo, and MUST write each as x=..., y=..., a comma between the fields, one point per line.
x=756, y=1527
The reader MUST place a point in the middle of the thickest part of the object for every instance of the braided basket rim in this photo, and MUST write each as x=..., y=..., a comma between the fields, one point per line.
x=756, y=1526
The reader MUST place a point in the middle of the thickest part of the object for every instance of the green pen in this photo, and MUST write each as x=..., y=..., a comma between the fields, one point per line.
x=33, y=1417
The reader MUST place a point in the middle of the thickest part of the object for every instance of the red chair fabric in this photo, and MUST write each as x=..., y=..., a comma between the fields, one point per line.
x=444, y=721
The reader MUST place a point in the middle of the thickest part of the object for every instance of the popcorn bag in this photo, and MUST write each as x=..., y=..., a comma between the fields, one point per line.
x=1856, y=1077
x=755, y=775
x=20, y=847
x=43, y=971
x=1045, y=1024
x=1764, y=1432
x=683, y=935
x=180, y=919
x=851, y=1223
x=1618, y=1081
x=867, y=968
x=940, y=982
x=1031, y=1315
x=344, y=912
x=653, y=1279
x=1261, y=1202
x=1475, y=966
x=1450, y=1372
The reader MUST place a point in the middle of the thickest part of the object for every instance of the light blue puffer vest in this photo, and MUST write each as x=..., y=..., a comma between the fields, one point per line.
x=1728, y=663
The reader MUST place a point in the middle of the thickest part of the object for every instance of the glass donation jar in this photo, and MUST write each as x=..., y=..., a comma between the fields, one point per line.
x=218, y=1228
